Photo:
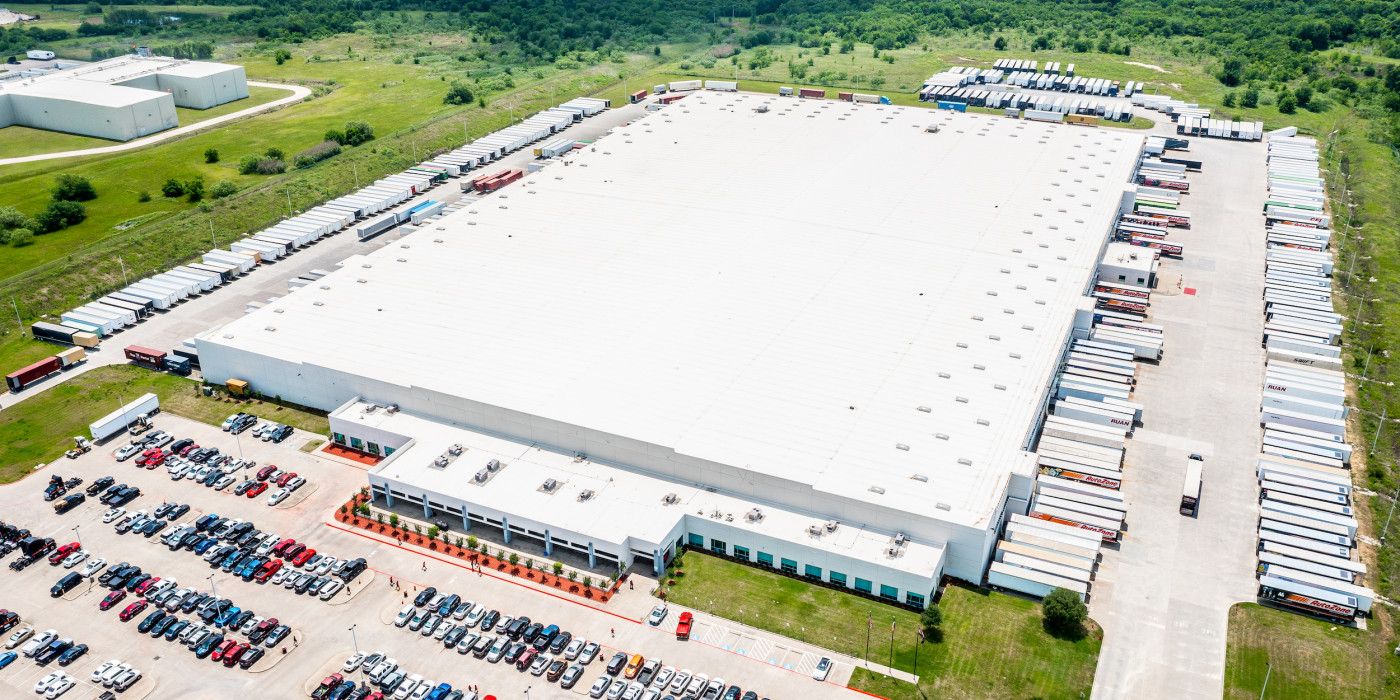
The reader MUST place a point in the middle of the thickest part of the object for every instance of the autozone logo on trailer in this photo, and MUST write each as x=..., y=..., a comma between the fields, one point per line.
x=1124, y=291
x=1167, y=248
x=1120, y=304
x=1105, y=533
x=1076, y=476
x=1145, y=220
x=1319, y=604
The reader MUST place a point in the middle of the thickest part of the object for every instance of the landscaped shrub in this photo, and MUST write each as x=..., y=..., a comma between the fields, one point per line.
x=317, y=153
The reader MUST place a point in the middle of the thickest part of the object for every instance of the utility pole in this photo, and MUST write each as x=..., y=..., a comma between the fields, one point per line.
x=124, y=279
x=1380, y=425
x=1387, y=518
x=289, y=200
x=1266, y=680
x=415, y=149
x=356, y=166
x=211, y=234
x=17, y=319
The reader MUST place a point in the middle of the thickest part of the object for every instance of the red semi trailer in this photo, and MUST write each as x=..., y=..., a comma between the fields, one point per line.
x=154, y=359
x=33, y=373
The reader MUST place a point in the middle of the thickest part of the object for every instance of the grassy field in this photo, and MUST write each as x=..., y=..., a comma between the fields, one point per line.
x=24, y=141
x=994, y=645
x=1311, y=659
x=40, y=428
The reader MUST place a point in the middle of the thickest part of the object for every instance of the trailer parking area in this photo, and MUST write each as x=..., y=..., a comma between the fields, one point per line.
x=1164, y=594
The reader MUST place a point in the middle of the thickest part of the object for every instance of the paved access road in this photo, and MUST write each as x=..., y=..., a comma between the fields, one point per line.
x=1163, y=597
x=298, y=92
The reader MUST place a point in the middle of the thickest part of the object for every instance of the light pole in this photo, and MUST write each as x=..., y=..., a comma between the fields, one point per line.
x=527, y=692
x=211, y=234
x=212, y=590
x=355, y=640
x=1266, y=680
x=124, y=279
x=80, y=537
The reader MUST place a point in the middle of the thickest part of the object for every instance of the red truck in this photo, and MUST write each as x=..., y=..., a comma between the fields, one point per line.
x=155, y=359
x=847, y=96
x=637, y=96
x=811, y=92
x=33, y=373
x=668, y=99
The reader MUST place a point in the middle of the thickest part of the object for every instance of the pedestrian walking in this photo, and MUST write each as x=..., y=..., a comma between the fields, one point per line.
x=425, y=566
x=405, y=595
x=612, y=631
x=629, y=586
x=284, y=650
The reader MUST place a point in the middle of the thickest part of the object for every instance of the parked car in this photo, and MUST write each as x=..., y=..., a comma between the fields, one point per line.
x=278, y=496
x=658, y=614
x=683, y=625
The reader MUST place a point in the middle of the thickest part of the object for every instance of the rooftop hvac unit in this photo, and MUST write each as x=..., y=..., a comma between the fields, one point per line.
x=831, y=525
x=899, y=539
x=892, y=552
x=494, y=464
x=754, y=515
x=549, y=484
x=482, y=475
x=392, y=408
x=455, y=450
x=371, y=408
x=670, y=498
x=440, y=462
x=814, y=530
x=585, y=494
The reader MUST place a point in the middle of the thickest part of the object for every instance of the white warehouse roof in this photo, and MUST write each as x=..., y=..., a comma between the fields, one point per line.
x=824, y=292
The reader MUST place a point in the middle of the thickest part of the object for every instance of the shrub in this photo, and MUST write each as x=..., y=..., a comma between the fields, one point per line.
x=458, y=94
x=12, y=218
x=587, y=581
x=999, y=44
x=432, y=532
x=1287, y=103
x=358, y=132
x=336, y=135
x=1304, y=95
x=172, y=188
x=1229, y=100
x=144, y=196
x=275, y=152
x=211, y=155
x=1250, y=98
x=514, y=558
x=573, y=575
x=1063, y=610
x=222, y=188
x=558, y=568
x=60, y=215
x=471, y=542
x=194, y=188
x=501, y=554
x=394, y=519
x=73, y=188
x=282, y=56
x=270, y=166
x=248, y=165
x=21, y=237
x=317, y=153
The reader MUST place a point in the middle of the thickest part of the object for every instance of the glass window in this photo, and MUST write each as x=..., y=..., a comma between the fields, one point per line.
x=719, y=547
x=914, y=599
x=838, y=577
x=789, y=566
x=357, y=443
x=765, y=558
x=696, y=540
x=388, y=451
x=862, y=585
x=338, y=438
x=889, y=592
x=741, y=552
x=814, y=572
x=374, y=448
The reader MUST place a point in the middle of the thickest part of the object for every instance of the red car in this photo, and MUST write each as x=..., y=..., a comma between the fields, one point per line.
x=224, y=648
x=188, y=449
x=292, y=550
x=232, y=656
x=257, y=489
x=331, y=683
x=62, y=552
x=146, y=586
x=141, y=461
x=267, y=570
x=301, y=558
x=266, y=472
x=112, y=599
x=683, y=627
x=156, y=460
x=132, y=610
x=282, y=480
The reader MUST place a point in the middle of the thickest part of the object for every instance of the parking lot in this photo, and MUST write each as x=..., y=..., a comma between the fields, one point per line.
x=322, y=635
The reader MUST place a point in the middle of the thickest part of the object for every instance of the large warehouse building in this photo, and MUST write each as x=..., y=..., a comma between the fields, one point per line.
x=817, y=338
x=120, y=98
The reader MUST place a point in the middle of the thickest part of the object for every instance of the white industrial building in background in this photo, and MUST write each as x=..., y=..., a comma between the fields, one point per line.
x=818, y=338
x=120, y=98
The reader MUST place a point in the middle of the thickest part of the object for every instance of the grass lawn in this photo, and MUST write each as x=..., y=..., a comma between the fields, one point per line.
x=994, y=645
x=23, y=141
x=41, y=428
x=1311, y=658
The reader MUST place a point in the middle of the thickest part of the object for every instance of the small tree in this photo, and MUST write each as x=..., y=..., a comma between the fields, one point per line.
x=501, y=554
x=471, y=542
x=1229, y=100
x=73, y=188
x=931, y=620
x=222, y=188
x=514, y=558
x=194, y=188
x=1063, y=610
x=458, y=93
x=211, y=155
x=484, y=547
x=282, y=56
x=394, y=520
x=529, y=563
x=1287, y=103
x=172, y=188
x=358, y=132
x=379, y=517
x=432, y=532
x=999, y=44
x=417, y=529
x=1250, y=99
x=587, y=581
x=573, y=575
x=558, y=568
x=459, y=543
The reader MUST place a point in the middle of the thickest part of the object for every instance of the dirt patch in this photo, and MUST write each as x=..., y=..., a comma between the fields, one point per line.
x=1159, y=69
x=722, y=51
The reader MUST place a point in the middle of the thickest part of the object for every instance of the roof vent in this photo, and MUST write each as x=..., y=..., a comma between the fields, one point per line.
x=318, y=303
x=920, y=477
x=899, y=539
x=361, y=280
x=962, y=345
x=994, y=337
x=962, y=399
x=366, y=266
x=877, y=489
x=991, y=293
x=754, y=515
x=269, y=328
x=977, y=318
x=403, y=259
x=902, y=446
x=983, y=421
x=965, y=461
x=926, y=409
x=944, y=375
x=941, y=436
x=670, y=498
x=976, y=366
x=1015, y=355
x=999, y=387
x=831, y=525
x=279, y=310
x=325, y=286
x=943, y=506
